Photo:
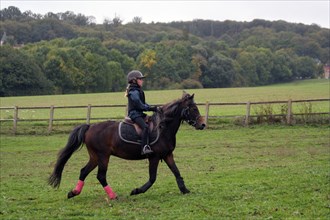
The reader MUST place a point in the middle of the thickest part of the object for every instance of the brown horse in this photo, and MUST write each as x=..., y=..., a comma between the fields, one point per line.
x=103, y=139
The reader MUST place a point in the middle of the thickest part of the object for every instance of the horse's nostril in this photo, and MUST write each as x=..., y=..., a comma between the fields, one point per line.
x=203, y=126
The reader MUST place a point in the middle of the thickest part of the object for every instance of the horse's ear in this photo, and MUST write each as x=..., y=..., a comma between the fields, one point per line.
x=192, y=96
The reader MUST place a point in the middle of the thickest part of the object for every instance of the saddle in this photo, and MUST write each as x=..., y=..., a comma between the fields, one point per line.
x=131, y=133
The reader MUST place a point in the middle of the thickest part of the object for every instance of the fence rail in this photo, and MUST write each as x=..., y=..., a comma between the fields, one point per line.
x=247, y=117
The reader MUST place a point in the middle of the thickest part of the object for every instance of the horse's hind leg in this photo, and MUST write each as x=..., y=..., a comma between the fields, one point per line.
x=101, y=176
x=83, y=174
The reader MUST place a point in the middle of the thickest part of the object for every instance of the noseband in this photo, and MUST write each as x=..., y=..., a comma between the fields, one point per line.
x=185, y=115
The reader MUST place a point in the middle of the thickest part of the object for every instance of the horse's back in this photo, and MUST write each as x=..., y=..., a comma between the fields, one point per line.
x=104, y=125
x=105, y=132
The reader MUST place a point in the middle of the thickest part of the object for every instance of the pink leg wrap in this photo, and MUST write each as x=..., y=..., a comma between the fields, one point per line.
x=78, y=188
x=110, y=193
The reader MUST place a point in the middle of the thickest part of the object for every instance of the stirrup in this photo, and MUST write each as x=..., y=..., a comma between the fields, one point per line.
x=146, y=149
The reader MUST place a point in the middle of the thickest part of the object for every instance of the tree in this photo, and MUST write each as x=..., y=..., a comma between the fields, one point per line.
x=93, y=45
x=19, y=33
x=147, y=59
x=313, y=49
x=10, y=13
x=125, y=61
x=126, y=47
x=78, y=57
x=282, y=69
x=259, y=37
x=306, y=68
x=97, y=74
x=219, y=73
x=117, y=76
x=51, y=15
x=19, y=75
x=54, y=73
x=117, y=21
x=29, y=15
x=199, y=62
x=263, y=59
x=248, y=68
x=137, y=20
x=174, y=61
x=48, y=29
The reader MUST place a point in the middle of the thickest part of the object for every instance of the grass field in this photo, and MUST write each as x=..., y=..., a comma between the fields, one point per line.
x=233, y=172
x=262, y=172
x=306, y=89
x=300, y=90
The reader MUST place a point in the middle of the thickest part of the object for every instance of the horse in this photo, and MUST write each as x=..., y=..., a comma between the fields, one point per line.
x=102, y=140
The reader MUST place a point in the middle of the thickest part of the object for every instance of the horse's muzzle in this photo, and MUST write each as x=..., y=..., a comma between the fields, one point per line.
x=200, y=126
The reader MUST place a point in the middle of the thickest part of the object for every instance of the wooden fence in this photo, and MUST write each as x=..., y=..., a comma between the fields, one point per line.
x=289, y=115
x=247, y=117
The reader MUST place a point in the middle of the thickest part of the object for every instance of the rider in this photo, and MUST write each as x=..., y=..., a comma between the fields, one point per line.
x=137, y=105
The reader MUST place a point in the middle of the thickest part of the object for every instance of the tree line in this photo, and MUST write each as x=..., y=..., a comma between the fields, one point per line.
x=68, y=53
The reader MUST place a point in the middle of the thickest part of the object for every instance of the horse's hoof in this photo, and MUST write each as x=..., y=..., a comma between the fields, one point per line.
x=185, y=191
x=71, y=194
x=113, y=197
x=135, y=192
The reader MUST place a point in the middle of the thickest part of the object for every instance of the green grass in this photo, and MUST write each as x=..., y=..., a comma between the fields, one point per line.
x=233, y=172
x=261, y=172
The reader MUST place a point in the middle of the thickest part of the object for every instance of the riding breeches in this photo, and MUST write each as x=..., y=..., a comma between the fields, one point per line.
x=145, y=130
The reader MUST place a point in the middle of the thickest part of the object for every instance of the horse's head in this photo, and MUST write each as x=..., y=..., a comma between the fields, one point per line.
x=184, y=109
x=190, y=112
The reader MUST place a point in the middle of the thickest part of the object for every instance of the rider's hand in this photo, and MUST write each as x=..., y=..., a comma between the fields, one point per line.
x=153, y=108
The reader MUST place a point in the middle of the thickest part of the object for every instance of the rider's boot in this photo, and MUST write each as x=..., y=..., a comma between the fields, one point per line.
x=146, y=149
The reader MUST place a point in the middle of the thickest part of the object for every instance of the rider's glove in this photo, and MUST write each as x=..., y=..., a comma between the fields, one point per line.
x=153, y=108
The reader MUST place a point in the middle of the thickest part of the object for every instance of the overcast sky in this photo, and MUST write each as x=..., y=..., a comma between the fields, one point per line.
x=303, y=11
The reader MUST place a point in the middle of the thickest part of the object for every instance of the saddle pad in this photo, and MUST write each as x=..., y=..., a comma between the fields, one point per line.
x=128, y=134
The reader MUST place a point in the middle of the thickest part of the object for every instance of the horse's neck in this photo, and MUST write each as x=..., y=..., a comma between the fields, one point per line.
x=172, y=126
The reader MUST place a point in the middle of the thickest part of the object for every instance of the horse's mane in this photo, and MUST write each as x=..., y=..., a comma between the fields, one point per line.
x=170, y=109
x=166, y=113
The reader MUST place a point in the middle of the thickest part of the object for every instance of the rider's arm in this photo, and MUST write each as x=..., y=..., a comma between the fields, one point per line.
x=135, y=97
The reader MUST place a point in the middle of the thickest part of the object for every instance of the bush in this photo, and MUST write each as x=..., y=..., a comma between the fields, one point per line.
x=191, y=84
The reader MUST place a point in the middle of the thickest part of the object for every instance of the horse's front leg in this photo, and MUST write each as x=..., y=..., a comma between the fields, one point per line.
x=171, y=164
x=153, y=165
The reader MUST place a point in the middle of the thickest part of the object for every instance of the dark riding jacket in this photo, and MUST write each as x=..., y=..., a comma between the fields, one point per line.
x=136, y=102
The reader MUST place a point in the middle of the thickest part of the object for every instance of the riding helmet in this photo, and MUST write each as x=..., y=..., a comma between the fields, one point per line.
x=134, y=75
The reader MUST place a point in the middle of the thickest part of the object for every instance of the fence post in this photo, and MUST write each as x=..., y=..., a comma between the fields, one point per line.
x=89, y=109
x=15, y=119
x=289, y=114
x=207, y=107
x=51, y=118
x=247, y=115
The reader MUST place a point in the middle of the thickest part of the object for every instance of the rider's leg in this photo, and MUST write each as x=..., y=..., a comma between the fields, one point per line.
x=145, y=135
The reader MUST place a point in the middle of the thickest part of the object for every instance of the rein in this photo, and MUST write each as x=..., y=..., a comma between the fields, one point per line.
x=186, y=117
x=168, y=112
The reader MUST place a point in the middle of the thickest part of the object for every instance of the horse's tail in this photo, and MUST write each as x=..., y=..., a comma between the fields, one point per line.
x=75, y=141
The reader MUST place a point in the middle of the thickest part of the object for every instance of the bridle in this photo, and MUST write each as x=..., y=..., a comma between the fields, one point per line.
x=185, y=115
